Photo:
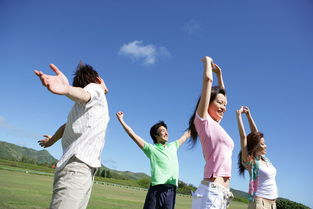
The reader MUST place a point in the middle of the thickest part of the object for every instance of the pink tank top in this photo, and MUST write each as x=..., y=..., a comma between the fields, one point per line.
x=217, y=147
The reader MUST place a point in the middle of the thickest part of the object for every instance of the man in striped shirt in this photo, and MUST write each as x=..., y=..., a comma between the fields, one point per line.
x=83, y=135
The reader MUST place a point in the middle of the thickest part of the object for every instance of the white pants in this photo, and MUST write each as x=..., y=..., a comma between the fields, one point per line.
x=72, y=185
x=210, y=195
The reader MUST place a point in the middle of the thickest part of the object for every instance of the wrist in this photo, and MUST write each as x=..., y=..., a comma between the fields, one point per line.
x=68, y=90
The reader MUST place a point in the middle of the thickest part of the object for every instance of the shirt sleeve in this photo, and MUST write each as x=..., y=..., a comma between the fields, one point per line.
x=176, y=143
x=202, y=124
x=95, y=92
x=147, y=149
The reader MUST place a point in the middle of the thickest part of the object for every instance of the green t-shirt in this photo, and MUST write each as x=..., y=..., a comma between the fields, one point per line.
x=163, y=162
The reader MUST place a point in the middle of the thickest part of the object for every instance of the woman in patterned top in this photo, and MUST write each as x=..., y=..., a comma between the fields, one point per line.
x=262, y=185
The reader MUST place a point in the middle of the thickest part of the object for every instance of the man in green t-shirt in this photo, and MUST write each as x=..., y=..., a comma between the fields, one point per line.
x=163, y=163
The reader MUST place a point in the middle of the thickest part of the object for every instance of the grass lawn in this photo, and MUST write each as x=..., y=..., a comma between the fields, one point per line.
x=28, y=191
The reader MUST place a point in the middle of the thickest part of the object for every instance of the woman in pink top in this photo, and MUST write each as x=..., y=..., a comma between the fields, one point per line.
x=217, y=146
x=262, y=185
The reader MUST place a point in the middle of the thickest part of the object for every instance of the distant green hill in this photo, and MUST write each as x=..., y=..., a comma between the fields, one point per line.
x=14, y=152
x=131, y=175
x=238, y=193
x=125, y=175
x=17, y=153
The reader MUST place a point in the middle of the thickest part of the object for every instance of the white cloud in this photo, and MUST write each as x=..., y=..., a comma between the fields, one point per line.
x=192, y=27
x=148, y=54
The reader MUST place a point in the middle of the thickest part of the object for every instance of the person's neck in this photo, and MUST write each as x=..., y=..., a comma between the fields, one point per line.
x=162, y=143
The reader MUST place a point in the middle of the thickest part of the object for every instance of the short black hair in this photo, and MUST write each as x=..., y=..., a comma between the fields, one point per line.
x=154, y=130
x=84, y=75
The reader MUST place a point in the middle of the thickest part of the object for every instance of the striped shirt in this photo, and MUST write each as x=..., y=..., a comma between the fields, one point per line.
x=84, y=133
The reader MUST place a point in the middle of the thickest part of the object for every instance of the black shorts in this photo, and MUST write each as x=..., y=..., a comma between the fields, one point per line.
x=161, y=196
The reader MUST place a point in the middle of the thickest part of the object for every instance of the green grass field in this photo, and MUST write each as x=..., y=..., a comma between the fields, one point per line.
x=20, y=190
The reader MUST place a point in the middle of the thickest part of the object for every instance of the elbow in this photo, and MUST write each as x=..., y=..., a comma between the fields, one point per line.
x=208, y=79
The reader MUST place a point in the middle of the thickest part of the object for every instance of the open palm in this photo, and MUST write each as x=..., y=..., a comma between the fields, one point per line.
x=57, y=84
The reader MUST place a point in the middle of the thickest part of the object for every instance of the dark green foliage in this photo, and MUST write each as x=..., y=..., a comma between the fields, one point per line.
x=282, y=203
x=145, y=182
x=240, y=199
x=184, y=188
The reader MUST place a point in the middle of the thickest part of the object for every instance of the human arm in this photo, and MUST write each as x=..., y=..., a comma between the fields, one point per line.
x=137, y=139
x=207, y=80
x=242, y=134
x=50, y=140
x=252, y=125
x=58, y=84
x=218, y=71
x=184, y=137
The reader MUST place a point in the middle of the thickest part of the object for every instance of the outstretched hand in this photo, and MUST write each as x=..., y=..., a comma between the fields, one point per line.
x=57, y=84
x=45, y=142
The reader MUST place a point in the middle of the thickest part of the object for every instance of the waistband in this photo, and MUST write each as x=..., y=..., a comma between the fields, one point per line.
x=214, y=185
x=265, y=199
x=168, y=186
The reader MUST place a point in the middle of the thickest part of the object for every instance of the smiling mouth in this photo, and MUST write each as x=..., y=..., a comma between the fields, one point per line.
x=221, y=113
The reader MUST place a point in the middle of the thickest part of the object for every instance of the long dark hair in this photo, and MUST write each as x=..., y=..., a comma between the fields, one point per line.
x=253, y=143
x=215, y=90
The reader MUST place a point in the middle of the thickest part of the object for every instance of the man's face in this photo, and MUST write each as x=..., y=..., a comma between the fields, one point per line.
x=162, y=135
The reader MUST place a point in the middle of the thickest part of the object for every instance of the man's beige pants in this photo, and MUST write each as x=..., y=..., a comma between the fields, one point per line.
x=72, y=185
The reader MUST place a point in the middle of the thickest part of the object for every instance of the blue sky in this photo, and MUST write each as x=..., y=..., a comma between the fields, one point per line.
x=148, y=53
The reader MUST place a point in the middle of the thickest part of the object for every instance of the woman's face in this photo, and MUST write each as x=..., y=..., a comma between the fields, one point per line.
x=217, y=107
x=262, y=148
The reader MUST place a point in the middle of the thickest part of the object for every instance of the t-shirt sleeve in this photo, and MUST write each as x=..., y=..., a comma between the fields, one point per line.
x=201, y=124
x=95, y=92
x=176, y=144
x=147, y=149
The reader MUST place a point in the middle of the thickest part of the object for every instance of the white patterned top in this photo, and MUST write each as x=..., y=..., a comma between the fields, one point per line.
x=84, y=134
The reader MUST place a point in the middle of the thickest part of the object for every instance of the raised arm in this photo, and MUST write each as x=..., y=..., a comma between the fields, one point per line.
x=50, y=140
x=184, y=137
x=137, y=139
x=252, y=124
x=58, y=84
x=207, y=81
x=242, y=133
x=218, y=71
